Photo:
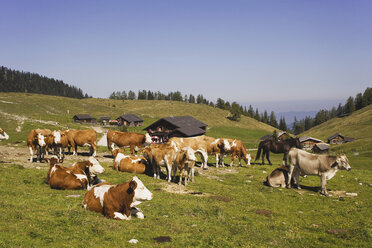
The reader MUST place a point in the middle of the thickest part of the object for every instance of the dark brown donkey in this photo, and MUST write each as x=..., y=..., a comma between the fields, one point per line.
x=276, y=146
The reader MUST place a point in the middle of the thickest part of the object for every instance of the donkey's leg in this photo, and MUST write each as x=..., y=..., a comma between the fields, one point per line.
x=268, y=158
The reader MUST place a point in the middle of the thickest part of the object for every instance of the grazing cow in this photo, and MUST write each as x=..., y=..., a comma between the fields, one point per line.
x=161, y=155
x=83, y=138
x=238, y=151
x=324, y=166
x=78, y=176
x=3, y=135
x=184, y=161
x=129, y=163
x=122, y=139
x=118, y=201
x=36, y=141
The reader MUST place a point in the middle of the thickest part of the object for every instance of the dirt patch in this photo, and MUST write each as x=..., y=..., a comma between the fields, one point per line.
x=336, y=231
x=162, y=239
x=264, y=212
x=179, y=189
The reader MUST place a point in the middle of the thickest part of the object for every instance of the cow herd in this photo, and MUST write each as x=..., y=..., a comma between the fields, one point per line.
x=177, y=155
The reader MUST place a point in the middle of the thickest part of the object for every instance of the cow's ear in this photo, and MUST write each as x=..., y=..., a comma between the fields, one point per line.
x=60, y=160
x=132, y=187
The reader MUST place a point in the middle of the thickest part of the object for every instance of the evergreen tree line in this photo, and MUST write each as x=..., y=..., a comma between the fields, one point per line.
x=236, y=110
x=19, y=81
x=352, y=104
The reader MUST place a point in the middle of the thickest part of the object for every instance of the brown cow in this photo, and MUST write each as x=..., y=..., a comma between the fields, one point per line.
x=324, y=166
x=61, y=142
x=36, y=141
x=184, y=161
x=123, y=139
x=117, y=201
x=217, y=147
x=160, y=155
x=129, y=163
x=78, y=176
x=83, y=138
x=238, y=151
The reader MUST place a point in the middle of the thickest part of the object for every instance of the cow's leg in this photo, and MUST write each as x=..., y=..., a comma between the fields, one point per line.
x=94, y=148
x=323, y=181
x=168, y=167
x=31, y=153
x=131, y=149
x=137, y=213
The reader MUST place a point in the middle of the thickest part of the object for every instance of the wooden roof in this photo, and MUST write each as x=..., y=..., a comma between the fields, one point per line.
x=179, y=122
x=308, y=138
x=130, y=118
x=83, y=117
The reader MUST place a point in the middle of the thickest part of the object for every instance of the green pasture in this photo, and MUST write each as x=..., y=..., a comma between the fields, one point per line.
x=225, y=207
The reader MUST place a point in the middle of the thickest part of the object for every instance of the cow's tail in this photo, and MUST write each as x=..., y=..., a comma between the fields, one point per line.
x=258, y=151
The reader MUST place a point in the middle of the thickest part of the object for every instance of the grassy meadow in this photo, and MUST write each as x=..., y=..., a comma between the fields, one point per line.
x=224, y=207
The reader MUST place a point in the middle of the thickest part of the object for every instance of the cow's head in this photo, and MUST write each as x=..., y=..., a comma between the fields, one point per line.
x=53, y=160
x=40, y=140
x=95, y=168
x=190, y=153
x=141, y=193
x=115, y=152
x=148, y=139
x=248, y=159
x=343, y=162
x=57, y=137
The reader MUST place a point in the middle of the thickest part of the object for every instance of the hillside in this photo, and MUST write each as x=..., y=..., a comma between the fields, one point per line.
x=26, y=111
x=358, y=125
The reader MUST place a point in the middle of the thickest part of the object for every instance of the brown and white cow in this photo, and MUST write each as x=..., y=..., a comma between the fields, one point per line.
x=184, y=161
x=217, y=147
x=324, y=166
x=61, y=142
x=36, y=141
x=161, y=155
x=123, y=139
x=83, y=138
x=118, y=201
x=238, y=151
x=78, y=176
x=129, y=163
x=3, y=135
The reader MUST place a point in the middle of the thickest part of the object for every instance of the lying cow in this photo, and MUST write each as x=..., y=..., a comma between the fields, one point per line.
x=36, y=141
x=324, y=166
x=123, y=139
x=83, y=138
x=129, y=163
x=3, y=135
x=78, y=176
x=118, y=201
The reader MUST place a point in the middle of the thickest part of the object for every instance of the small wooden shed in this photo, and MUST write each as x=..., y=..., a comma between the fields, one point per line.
x=129, y=120
x=339, y=139
x=320, y=148
x=176, y=126
x=104, y=120
x=83, y=118
x=309, y=142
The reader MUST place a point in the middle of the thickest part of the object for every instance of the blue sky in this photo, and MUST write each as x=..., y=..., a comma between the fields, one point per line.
x=274, y=54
